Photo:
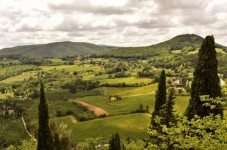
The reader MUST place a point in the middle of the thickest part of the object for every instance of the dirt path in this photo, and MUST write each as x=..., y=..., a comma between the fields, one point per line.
x=25, y=127
x=98, y=111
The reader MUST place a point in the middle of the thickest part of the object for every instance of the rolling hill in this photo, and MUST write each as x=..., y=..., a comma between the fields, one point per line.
x=183, y=44
x=57, y=49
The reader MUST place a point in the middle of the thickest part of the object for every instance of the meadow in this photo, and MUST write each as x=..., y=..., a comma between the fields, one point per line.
x=131, y=125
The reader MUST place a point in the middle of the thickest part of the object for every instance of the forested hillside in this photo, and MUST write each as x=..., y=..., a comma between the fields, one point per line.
x=58, y=49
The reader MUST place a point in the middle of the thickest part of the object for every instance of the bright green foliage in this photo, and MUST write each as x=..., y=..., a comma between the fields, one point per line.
x=60, y=136
x=205, y=81
x=91, y=144
x=26, y=145
x=207, y=133
x=44, y=135
x=115, y=143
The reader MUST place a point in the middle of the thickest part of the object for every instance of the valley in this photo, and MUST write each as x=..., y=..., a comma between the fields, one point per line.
x=99, y=94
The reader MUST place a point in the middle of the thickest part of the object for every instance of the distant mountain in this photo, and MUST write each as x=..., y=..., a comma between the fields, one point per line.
x=57, y=49
x=184, y=44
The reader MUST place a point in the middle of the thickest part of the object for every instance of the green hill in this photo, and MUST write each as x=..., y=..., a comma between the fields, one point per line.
x=183, y=44
x=57, y=49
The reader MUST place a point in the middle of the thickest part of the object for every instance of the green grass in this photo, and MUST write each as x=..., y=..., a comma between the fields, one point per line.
x=126, y=105
x=129, y=91
x=132, y=125
x=129, y=104
x=21, y=77
x=181, y=103
x=130, y=80
x=218, y=50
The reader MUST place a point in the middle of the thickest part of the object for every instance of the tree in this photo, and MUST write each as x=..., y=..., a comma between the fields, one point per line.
x=205, y=81
x=160, y=97
x=196, y=134
x=167, y=113
x=60, y=136
x=44, y=135
x=115, y=143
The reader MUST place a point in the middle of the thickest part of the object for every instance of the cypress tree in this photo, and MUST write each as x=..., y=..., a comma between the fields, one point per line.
x=160, y=97
x=167, y=112
x=160, y=100
x=44, y=135
x=205, y=81
x=115, y=142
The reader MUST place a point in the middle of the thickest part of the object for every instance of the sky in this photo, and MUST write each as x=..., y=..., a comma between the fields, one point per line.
x=110, y=22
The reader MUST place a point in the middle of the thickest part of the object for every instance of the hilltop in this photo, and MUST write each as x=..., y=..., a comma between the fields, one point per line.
x=184, y=44
x=57, y=49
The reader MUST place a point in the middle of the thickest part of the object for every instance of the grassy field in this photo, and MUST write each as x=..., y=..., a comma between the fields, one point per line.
x=130, y=80
x=129, y=104
x=133, y=125
x=126, y=105
x=130, y=91
x=218, y=50
x=21, y=77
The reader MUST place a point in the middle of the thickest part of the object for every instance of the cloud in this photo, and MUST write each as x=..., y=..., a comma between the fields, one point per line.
x=86, y=7
x=116, y=22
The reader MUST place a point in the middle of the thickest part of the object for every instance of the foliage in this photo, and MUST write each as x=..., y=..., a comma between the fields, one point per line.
x=115, y=142
x=198, y=133
x=60, y=136
x=205, y=81
x=57, y=49
x=167, y=111
x=44, y=135
x=160, y=97
x=26, y=145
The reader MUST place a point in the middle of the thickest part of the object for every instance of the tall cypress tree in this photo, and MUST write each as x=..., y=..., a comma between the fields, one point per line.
x=160, y=100
x=167, y=112
x=115, y=142
x=160, y=97
x=205, y=81
x=44, y=135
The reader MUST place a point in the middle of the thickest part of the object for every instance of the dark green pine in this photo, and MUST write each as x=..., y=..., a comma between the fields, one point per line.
x=205, y=81
x=115, y=142
x=160, y=100
x=44, y=134
x=167, y=112
x=160, y=97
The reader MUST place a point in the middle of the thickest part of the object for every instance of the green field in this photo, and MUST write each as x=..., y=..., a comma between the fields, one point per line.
x=126, y=105
x=130, y=91
x=132, y=125
x=218, y=50
x=129, y=104
x=21, y=77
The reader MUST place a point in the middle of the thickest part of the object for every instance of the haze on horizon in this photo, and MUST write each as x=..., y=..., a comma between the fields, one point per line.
x=118, y=22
